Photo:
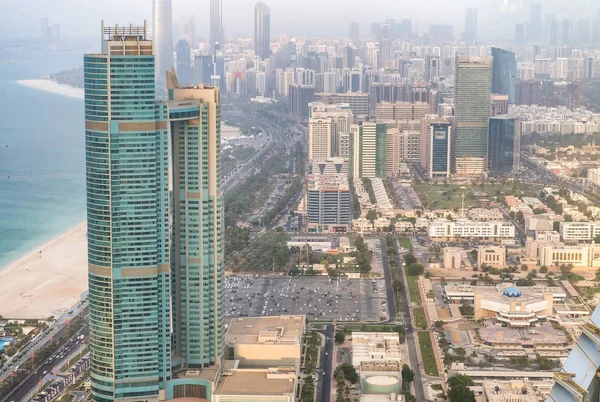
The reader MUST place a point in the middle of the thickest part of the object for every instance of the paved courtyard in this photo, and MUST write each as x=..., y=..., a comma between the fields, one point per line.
x=319, y=298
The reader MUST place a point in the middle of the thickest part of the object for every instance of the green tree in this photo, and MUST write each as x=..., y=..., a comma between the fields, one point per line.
x=415, y=269
x=408, y=376
x=340, y=336
x=459, y=389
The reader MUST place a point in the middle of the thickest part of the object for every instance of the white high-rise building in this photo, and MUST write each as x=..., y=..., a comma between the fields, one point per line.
x=326, y=125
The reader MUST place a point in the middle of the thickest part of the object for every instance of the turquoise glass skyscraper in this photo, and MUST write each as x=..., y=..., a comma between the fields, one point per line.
x=197, y=275
x=126, y=141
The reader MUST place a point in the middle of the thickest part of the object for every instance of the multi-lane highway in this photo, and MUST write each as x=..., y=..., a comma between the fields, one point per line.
x=324, y=384
x=56, y=330
x=410, y=335
x=51, y=365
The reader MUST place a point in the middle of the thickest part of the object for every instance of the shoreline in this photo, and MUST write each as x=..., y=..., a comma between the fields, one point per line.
x=36, y=287
x=48, y=85
x=35, y=250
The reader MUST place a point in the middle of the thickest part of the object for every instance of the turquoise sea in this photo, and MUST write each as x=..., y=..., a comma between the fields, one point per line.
x=42, y=161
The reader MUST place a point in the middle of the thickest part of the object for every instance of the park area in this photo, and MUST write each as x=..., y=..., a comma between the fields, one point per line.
x=448, y=196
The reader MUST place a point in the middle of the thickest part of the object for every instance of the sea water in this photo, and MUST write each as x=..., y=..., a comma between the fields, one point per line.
x=42, y=156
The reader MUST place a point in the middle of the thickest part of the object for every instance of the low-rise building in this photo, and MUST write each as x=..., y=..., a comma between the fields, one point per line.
x=485, y=215
x=375, y=346
x=509, y=391
x=466, y=229
x=541, y=222
x=261, y=362
x=380, y=377
x=452, y=257
x=579, y=231
x=491, y=256
x=582, y=255
x=515, y=307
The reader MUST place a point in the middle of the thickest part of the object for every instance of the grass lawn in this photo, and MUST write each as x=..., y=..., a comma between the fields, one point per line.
x=405, y=243
x=413, y=288
x=427, y=354
x=448, y=196
x=420, y=320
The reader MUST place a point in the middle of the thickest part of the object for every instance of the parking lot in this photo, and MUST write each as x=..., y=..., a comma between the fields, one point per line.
x=407, y=198
x=319, y=298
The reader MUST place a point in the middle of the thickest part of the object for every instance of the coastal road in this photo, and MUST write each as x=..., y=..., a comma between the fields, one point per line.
x=55, y=330
x=324, y=384
x=410, y=334
x=51, y=365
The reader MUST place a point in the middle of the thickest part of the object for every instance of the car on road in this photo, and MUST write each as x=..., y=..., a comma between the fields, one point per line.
x=323, y=373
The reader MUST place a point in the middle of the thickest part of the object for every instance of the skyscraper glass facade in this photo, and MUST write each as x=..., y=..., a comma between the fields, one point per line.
x=439, y=142
x=504, y=73
x=128, y=230
x=472, y=91
x=196, y=269
x=503, y=144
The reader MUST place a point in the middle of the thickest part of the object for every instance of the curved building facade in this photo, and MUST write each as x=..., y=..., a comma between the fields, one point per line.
x=127, y=212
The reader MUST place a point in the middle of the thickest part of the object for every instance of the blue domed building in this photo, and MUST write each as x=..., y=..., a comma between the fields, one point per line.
x=512, y=291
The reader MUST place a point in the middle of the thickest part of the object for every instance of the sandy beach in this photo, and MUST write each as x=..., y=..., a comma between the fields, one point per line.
x=38, y=286
x=54, y=87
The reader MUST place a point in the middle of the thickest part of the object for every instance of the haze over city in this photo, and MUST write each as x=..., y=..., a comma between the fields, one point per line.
x=327, y=18
x=310, y=201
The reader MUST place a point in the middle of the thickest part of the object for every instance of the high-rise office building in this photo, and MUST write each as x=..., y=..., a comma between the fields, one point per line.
x=368, y=150
x=216, y=25
x=56, y=33
x=184, y=66
x=354, y=33
x=163, y=41
x=44, y=25
x=262, y=30
x=504, y=142
x=535, y=27
x=432, y=68
x=499, y=104
x=189, y=32
x=436, y=160
x=299, y=98
x=469, y=35
x=504, y=73
x=196, y=269
x=204, y=68
x=519, y=34
x=472, y=90
x=126, y=139
x=441, y=33
x=584, y=32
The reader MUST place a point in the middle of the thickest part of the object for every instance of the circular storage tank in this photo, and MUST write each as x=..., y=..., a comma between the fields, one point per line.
x=380, y=384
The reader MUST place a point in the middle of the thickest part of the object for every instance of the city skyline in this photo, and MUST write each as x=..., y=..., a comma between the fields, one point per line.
x=292, y=20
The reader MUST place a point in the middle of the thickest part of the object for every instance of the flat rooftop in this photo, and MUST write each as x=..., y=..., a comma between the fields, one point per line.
x=284, y=329
x=253, y=383
x=521, y=391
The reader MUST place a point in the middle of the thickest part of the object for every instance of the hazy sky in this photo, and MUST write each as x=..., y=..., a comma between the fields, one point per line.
x=20, y=18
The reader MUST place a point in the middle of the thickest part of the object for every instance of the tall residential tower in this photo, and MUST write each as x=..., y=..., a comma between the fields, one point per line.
x=126, y=141
x=196, y=272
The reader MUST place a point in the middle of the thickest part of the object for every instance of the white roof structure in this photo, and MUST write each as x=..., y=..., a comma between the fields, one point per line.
x=578, y=380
